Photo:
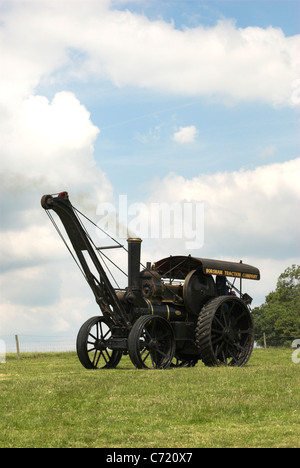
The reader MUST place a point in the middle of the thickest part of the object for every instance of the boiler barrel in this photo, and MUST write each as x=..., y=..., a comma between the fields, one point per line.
x=166, y=311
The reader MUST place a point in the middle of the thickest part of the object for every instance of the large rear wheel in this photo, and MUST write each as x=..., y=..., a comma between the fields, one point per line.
x=224, y=332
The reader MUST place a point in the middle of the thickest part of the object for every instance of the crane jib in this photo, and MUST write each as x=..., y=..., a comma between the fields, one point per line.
x=105, y=294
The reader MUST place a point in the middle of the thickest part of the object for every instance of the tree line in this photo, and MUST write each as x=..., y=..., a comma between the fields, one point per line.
x=279, y=317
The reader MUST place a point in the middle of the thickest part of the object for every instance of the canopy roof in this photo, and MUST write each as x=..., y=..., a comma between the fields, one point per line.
x=179, y=266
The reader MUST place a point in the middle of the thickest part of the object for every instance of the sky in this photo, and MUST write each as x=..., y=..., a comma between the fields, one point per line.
x=152, y=102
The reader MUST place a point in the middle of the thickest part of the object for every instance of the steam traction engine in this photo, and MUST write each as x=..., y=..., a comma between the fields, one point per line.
x=174, y=312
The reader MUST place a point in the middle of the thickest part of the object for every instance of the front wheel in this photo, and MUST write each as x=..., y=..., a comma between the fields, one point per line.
x=92, y=345
x=151, y=343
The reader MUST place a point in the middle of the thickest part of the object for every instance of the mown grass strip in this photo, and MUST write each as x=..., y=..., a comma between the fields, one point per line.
x=50, y=400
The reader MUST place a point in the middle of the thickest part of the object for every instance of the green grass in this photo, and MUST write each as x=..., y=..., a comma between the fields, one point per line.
x=50, y=400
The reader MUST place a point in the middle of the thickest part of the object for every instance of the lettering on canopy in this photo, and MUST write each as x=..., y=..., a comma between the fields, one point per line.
x=235, y=274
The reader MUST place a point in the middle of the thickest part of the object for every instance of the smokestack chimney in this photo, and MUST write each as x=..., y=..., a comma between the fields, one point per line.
x=134, y=258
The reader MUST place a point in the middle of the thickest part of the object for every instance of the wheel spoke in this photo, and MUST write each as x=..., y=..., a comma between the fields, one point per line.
x=242, y=314
x=154, y=363
x=232, y=307
x=238, y=346
x=219, y=349
x=218, y=321
x=105, y=352
x=96, y=357
x=148, y=334
x=224, y=358
x=217, y=340
x=232, y=355
x=159, y=351
x=147, y=355
x=223, y=312
x=215, y=330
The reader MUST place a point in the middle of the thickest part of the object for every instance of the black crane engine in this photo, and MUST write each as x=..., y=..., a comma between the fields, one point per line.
x=173, y=312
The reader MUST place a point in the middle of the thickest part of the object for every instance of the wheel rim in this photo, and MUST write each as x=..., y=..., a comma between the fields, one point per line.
x=151, y=343
x=225, y=332
x=93, y=345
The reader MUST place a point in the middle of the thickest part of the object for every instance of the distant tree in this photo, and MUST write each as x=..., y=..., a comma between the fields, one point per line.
x=279, y=316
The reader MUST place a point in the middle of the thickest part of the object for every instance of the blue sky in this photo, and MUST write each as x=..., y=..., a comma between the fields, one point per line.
x=190, y=13
x=161, y=101
x=137, y=124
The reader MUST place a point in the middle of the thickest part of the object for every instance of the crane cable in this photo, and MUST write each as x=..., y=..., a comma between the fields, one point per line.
x=64, y=241
x=100, y=254
x=120, y=245
x=72, y=253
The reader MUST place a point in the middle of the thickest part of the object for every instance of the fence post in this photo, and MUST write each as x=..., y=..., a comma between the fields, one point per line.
x=18, y=346
x=2, y=352
x=265, y=341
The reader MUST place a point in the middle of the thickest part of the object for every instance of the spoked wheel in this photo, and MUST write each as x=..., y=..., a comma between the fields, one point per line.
x=151, y=343
x=224, y=332
x=92, y=345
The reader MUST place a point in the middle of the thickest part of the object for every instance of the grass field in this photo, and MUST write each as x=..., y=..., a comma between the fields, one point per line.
x=50, y=400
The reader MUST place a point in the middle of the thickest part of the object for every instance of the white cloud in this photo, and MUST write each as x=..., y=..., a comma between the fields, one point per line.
x=48, y=146
x=62, y=123
x=251, y=215
x=185, y=134
x=268, y=151
x=86, y=39
x=45, y=147
x=243, y=64
x=246, y=212
x=47, y=300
